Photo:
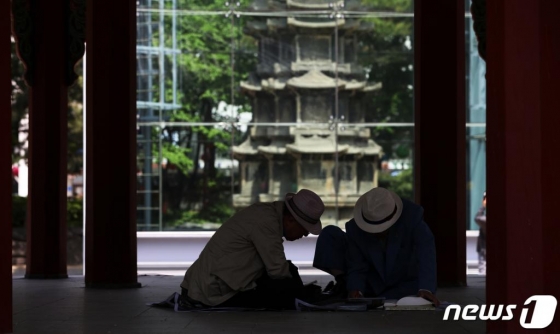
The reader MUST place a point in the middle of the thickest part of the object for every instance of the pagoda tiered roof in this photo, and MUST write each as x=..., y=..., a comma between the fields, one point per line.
x=309, y=141
x=313, y=79
x=272, y=26
x=311, y=5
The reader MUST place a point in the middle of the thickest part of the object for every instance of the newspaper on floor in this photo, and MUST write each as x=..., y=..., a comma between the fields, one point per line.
x=350, y=304
x=413, y=303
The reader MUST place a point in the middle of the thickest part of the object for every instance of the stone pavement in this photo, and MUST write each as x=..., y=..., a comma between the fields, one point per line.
x=65, y=306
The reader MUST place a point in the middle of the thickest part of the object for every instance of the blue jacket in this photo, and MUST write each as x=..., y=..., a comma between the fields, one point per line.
x=410, y=255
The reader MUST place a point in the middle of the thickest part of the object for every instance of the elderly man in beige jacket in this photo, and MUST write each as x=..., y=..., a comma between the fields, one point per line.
x=244, y=265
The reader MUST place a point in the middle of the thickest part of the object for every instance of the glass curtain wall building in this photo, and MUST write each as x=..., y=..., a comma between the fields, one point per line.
x=476, y=123
x=240, y=102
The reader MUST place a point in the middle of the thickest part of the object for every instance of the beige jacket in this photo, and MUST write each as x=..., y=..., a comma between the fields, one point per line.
x=238, y=253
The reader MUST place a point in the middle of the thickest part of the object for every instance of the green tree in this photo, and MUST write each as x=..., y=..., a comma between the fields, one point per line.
x=207, y=42
x=401, y=183
x=388, y=52
x=19, y=104
x=75, y=123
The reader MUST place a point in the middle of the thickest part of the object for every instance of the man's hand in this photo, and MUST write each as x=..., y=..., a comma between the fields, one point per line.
x=429, y=296
x=355, y=294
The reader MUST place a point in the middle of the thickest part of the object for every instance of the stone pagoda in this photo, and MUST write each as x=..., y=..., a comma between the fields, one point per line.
x=295, y=82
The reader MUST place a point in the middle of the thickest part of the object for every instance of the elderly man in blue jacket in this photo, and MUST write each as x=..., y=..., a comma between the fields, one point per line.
x=387, y=250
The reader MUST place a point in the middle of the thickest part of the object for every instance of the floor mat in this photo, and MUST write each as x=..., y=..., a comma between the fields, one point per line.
x=172, y=302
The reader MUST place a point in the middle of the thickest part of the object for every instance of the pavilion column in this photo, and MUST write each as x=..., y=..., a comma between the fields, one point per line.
x=111, y=144
x=40, y=31
x=6, y=323
x=523, y=118
x=439, y=158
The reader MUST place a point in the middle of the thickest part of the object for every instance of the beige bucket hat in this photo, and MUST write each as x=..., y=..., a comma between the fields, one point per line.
x=377, y=210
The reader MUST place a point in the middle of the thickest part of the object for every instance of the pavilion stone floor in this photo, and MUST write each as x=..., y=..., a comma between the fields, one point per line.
x=66, y=306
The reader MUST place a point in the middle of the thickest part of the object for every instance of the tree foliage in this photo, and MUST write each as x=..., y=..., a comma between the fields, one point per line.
x=388, y=52
x=207, y=82
x=75, y=123
x=19, y=105
x=401, y=183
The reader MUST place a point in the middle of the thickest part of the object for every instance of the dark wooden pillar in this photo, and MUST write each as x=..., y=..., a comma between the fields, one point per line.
x=111, y=144
x=39, y=28
x=523, y=118
x=439, y=161
x=5, y=171
x=550, y=143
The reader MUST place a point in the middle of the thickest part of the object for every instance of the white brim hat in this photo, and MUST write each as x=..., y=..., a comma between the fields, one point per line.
x=377, y=210
x=306, y=207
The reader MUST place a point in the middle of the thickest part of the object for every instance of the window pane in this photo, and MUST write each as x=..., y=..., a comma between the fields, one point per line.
x=289, y=107
x=183, y=102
